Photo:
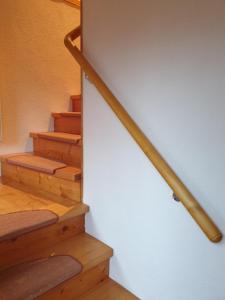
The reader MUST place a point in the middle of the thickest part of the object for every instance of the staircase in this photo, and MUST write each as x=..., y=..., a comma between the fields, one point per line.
x=44, y=250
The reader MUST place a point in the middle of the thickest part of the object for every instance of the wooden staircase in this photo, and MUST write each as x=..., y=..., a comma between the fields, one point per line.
x=44, y=250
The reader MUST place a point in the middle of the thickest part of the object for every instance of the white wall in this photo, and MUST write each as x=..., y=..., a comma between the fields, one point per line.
x=165, y=61
x=37, y=73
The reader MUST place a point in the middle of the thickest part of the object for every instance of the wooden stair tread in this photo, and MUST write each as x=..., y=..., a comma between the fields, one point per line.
x=12, y=200
x=72, y=114
x=67, y=122
x=16, y=224
x=65, y=192
x=4, y=157
x=69, y=173
x=58, y=136
x=40, y=164
x=37, y=163
x=109, y=290
x=83, y=247
x=33, y=279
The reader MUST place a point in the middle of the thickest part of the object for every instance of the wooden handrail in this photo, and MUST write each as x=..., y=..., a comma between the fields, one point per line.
x=180, y=190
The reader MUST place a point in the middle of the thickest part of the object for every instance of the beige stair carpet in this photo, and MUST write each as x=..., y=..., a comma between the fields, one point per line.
x=30, y=280
x=36, y=163
x=15, y=224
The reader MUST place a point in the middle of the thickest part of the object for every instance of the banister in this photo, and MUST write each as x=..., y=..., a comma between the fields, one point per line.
x=182, y=193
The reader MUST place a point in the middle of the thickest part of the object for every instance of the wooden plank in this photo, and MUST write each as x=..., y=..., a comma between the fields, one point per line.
x=71, y=114
x=94, y=257
x=86, y=249
x=32, y=279
x=80, y=284
x=36, y=163
x=4, y=157
x=20, y=223
x=71, y=222
x=76, y=103
x=110, y=290
x=44, y=185
x=68, y=153
x=68, y=173
x=18, y=249
x=67, y=122
x=58, y=136
x=13, y=200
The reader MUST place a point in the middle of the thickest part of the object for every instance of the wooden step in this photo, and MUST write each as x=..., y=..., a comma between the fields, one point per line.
x=36, y=163
x=62, y=147
x=69, y=122
x=58, y=137
x=44, y=165
x=70, y=223
x=92, y=254
x=108, y=290
x=76, y=103
x=94, y=257
x=68, y=173
x=15, y=224
x=63, y=186
x=33, y=279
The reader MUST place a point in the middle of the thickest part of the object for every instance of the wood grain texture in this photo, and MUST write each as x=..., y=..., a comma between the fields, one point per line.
x=183, y=194
x=36, y=163
x=86, y=249
x=32, y=279
x=44, y=185
x=67, y=122
x=58, y=136
x=70, y=223
x=18, y=249
x=80, y=284
x=13, y=200
x=63, y=151
x=110, y=290
x=68, y=173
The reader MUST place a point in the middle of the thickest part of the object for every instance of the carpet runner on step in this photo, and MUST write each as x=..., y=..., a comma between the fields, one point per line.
x=15, y=224
x=30, y=280
x=37, y=163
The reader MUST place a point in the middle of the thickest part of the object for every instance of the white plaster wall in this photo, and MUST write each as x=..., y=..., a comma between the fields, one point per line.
x=37, y=73
x=165, y=60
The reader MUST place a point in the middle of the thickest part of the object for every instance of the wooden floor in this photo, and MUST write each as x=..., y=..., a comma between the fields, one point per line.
x=13, y=200
x=108, y=290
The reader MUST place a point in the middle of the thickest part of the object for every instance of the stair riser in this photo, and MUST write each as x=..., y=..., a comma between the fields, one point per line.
x=79, y=285
x=67, y=124
x=17, y=250
x=41, y=184
x=68, y=153
x=76, y=104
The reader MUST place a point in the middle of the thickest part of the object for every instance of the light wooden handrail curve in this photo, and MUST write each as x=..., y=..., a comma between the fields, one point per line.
x=180, y=190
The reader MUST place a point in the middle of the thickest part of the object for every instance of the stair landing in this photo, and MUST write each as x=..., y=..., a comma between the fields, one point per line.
x=13, y=200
